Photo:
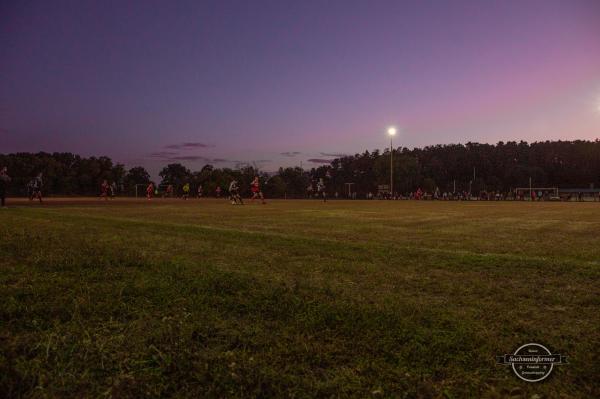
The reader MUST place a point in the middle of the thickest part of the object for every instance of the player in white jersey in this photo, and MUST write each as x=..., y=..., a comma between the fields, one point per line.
x=234, y=193
x=321, y=189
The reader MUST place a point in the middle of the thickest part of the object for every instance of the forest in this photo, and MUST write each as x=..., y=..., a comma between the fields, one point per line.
x=461, y=167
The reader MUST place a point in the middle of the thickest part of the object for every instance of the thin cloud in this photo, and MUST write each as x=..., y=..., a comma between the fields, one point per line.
x=290, y=153
x=255, y=163
x=172, y=156
x=241, y=164
x=163, y=154
x=188, y=145
x=336, y=155
x=260, y=163
x=319, y=160
x=189, y=158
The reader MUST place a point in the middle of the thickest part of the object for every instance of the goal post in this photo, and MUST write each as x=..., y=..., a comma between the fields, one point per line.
x=143, y=190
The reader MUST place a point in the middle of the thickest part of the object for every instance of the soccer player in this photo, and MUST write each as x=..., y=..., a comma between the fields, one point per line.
x=234, y=193
x=113, y=190
x=321, y=189
x=150, y=191
x=256, y=192
x=30, y=189
x=104, y=187
x=36, y=187
x=186, y=191
x=169, y=191
x=309, y=191
x=4, y=180
x=218, y=192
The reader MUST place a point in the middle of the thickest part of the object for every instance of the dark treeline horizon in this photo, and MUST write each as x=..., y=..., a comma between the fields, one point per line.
x=492, y=167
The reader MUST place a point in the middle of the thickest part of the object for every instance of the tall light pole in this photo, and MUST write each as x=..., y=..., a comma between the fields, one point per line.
x=391, y=133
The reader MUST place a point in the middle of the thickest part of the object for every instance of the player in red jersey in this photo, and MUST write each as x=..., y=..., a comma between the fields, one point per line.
x=169, y=191
x=256, y=193
x=104, y=190
x=150, y=191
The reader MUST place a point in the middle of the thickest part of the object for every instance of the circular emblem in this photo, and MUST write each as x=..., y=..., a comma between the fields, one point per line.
x=535, y=362
x=532, y=362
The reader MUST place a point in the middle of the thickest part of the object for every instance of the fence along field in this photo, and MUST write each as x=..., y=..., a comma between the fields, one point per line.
x=296, y=298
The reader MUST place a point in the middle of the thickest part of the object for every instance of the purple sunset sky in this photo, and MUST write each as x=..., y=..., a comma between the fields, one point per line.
x=280, y=82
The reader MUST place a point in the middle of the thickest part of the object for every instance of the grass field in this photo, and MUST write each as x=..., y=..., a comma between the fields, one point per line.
x=296, y=298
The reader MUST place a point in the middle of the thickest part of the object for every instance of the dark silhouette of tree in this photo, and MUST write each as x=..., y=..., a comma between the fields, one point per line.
x=175, y=174
x=135, y=175
x=500, y=167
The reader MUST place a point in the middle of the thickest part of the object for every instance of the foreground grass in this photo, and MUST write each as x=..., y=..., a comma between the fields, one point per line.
x=296, y=298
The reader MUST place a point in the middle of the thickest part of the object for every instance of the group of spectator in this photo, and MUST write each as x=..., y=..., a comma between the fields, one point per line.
x=484, y=195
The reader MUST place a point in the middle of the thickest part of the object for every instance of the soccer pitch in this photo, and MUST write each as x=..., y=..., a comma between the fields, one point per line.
x=198, y=298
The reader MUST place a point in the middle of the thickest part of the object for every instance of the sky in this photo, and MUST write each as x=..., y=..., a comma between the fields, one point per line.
x=285, y=83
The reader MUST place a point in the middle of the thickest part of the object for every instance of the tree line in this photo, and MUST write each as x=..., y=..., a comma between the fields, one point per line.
x=461, y=167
